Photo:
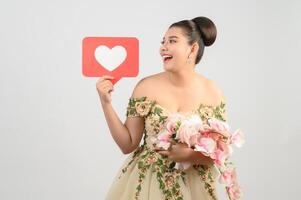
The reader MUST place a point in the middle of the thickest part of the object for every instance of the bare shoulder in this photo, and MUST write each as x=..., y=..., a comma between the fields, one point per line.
x=215, y=91
x=144, y=86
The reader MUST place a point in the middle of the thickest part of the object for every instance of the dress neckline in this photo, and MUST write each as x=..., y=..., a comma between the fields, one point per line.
x=181, y=112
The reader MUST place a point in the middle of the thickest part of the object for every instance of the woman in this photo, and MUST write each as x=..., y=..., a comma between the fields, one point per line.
x=147, y=173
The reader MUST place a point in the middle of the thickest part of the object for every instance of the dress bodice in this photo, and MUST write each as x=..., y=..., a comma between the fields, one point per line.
x=155, y=115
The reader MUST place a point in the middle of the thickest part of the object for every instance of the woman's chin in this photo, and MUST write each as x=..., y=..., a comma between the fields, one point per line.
x=168, y=67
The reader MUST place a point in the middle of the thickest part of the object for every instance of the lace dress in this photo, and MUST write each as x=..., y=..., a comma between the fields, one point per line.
x=148, y=175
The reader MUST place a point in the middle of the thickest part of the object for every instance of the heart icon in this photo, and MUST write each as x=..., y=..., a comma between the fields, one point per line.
x=110, y=58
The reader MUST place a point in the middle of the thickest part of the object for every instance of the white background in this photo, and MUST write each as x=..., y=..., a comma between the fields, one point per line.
x=55, y=143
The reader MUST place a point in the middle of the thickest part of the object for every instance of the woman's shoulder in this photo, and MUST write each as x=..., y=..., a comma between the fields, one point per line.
x=215, y=90
x=146, y=85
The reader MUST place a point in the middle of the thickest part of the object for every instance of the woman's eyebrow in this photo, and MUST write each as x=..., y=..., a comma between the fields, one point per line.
x=173, y=36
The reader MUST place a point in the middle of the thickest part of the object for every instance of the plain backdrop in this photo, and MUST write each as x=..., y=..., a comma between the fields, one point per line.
x=55, y=143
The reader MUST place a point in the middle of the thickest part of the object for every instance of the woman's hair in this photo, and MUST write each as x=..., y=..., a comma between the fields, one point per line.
x=201, y=30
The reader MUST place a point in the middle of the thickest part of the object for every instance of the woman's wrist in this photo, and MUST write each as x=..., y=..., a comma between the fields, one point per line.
x=199, y=158
x=104, y=102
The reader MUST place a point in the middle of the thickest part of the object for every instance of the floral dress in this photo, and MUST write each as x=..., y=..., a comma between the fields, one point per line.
x=148, y=175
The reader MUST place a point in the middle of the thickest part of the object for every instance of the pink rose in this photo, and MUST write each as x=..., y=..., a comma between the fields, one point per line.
x=219, y=157
x=188, y=131
x=234, y=191
x=163, y=144
x=205, y=128
x=219, y=126
x=164, y=136
x=171, y=122
x=187, y=134
x=182, y=165
x=205, y=145
x=227, y=177
x=237, y=138
x=227, y=149
x=171, y=126
x=163, y=139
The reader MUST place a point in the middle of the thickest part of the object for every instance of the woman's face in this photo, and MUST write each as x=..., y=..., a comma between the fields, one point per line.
x=175, y=47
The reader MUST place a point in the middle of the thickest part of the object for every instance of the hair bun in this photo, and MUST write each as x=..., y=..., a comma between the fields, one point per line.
x=207, y=29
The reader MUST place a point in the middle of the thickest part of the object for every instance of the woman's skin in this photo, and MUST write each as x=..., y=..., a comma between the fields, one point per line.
x=178, y=83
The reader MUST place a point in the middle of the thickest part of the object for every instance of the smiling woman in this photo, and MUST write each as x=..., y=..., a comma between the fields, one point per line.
x=187, y=39
x=149, y=174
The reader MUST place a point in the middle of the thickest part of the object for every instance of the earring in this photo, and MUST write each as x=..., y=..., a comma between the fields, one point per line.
x=189, y=59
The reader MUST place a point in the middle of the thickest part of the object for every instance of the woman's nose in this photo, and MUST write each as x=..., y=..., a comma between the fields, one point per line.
x=163, y=47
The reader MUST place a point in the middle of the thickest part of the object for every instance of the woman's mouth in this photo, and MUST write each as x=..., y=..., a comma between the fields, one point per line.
x=167, y=58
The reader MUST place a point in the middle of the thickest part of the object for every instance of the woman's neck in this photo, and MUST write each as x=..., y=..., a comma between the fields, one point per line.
x=184, y=79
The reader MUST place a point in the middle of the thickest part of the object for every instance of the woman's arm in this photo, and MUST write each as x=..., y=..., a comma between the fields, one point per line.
x=126, y=135
x=118, y=130
x=199, y=158
x=180, y=152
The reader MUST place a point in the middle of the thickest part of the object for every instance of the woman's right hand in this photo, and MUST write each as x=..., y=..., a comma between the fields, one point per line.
x=104, y=88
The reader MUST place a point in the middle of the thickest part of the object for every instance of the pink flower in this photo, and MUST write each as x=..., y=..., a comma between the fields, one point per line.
x=212, y=139
x=182, y=165
x=187, y=134
x=163, y=139
x=206, y=146
x=234, y=191
x=162, y=144
x=171, y=122
x=227, y=149
x=227, y=177
x=219, y=157
x=218, y=125
x=171, y=126
x=188, y=131
x=205, y=128
x=164, y=136
x=237, y=138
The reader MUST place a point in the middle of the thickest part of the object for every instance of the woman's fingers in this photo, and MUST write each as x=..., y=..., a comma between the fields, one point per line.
x=172, y=142
x=159, y=149
x=164, y=152
x=105, y=87
x=105, y=77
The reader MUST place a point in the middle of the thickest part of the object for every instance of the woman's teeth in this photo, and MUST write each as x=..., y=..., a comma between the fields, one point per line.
x=165, y=58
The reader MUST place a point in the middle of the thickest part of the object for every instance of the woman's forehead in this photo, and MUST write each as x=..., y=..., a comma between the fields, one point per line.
x=173, y=32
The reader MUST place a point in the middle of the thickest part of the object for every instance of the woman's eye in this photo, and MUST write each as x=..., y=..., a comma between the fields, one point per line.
x=171, y=41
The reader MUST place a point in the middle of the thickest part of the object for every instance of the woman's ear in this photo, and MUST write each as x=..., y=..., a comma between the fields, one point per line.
x=195, y=48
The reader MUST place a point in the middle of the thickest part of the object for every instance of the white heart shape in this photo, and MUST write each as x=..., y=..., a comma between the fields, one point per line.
x=110, y=58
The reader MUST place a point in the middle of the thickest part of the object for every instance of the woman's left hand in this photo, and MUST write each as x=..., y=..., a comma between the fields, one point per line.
x=177, y=152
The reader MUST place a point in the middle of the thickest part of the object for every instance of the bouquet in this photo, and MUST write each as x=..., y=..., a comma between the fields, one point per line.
x=212, y=138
